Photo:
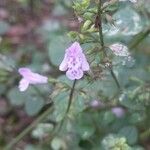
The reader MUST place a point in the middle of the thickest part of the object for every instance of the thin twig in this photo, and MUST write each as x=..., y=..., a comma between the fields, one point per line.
x=115, y=78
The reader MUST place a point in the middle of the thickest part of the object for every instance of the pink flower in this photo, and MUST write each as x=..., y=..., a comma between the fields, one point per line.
x=96, y=104
x=30, y=77
x=74, y=62
x=118, y=111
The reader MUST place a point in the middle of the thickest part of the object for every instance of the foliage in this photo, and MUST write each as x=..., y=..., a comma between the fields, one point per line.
x=113, y=80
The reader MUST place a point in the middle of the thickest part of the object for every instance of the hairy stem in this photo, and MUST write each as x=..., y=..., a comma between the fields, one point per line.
x=100, y=26
x=102, y=42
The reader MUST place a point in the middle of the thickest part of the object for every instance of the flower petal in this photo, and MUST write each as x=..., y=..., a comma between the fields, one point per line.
x=118, y=111
x=63, y=65
x=74, y=49
x=74, y=62
x=24, y=71
x=74, y=74
x=36, y=78
x=85, y=64
x=23, y=84
x=31, y=77
x=79, y=74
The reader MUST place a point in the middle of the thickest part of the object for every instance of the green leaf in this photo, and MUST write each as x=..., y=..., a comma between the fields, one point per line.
x=98, y=86
x=65, y=80
x=86, y=131
x=108, y=118
x=131, y=134
x=137, y=117
x=80, y=6
x=56, y=49
x=32, y=98
x=33, y=105
x=78, y=104
x=62, y=98
x=16, y=97
x=84, y=127
x=130, y=103
x=6, y=63
x=61, y=102
x=128, y=23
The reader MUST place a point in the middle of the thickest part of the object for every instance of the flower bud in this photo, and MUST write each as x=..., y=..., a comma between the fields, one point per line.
x=118, y=111
x=86, y=25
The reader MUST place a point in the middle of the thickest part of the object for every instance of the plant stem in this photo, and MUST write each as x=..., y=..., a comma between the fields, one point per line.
x=102, y=42
x=28, y=129
x=115, y=78
x=100, y=26
x=71, y=96
x=40, y=93
x=69, y=104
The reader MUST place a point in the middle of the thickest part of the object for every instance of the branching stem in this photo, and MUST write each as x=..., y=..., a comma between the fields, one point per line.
x=102, y=42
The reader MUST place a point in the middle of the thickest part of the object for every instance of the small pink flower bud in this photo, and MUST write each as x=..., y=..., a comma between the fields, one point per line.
x=96, y=104
x=118, y=111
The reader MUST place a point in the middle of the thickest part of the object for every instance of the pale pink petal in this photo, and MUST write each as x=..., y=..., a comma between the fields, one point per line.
x=63, y=65
x=118, y=111
x=85, y=64
x=74, y=49
x=23, y=84
x=36, y=78
x=24, y=71
x=31, y=77
x=74, y=74
x=74, y=62
x=79, y=74
x=96, y=104
x=70, y=75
